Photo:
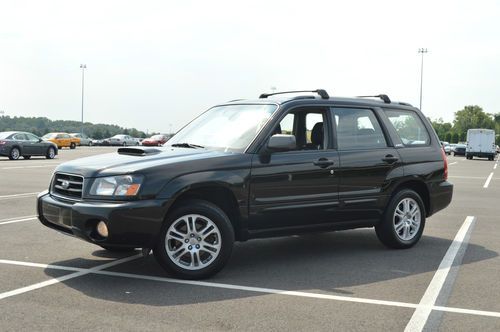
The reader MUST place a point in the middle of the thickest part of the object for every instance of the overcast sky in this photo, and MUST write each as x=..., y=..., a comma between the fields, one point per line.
x=155, y=63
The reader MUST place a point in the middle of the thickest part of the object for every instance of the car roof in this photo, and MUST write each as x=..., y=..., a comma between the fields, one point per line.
x=303, y=99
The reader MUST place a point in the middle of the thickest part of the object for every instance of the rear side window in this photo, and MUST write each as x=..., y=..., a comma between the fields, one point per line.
x=409, y=127
x=358, y=129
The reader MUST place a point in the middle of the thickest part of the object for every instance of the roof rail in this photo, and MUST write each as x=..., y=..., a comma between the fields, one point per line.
x=323, y=94
x=385, y=98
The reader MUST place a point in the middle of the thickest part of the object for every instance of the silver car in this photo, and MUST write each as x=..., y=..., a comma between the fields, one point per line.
x=123, y=140
x=84, y=139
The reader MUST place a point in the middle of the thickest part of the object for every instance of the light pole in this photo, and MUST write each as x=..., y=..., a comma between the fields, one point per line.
x=421, y=51
x=83, y=67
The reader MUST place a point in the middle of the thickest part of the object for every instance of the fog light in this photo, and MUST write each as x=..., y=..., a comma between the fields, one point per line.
x=102, y=229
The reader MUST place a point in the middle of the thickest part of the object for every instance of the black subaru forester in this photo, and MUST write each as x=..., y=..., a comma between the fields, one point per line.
x=257, y=168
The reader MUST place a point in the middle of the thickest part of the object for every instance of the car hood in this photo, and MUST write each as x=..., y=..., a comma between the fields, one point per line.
x=135, y=160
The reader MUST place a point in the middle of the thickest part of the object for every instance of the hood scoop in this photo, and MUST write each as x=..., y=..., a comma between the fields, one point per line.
x=138, y=151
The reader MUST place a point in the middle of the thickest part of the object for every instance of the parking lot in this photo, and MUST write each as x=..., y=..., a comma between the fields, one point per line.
x=332, y=281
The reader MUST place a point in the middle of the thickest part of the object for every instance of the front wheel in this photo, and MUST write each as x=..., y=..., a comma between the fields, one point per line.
x=72, y=146
x=403, y=221
x=196, y=240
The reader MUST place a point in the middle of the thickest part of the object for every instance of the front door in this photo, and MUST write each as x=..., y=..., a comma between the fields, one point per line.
x=299, y=187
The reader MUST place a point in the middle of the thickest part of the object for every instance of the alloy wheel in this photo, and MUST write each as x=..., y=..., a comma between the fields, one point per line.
x=406, y=219
x=193, y=242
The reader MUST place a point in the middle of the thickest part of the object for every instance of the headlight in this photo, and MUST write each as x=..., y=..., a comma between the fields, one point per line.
x=122, y=185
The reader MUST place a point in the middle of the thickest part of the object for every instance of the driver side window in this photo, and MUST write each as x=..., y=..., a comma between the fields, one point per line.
x=307, y=127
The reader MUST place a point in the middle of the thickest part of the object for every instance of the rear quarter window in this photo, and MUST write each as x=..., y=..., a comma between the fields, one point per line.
x=409, y=127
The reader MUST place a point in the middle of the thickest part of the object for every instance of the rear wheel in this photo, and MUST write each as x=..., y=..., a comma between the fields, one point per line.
x=51, y=153
x=26, y=157
x=15, y=153
x=196, y=240
x=403, y=221
x=72, y=146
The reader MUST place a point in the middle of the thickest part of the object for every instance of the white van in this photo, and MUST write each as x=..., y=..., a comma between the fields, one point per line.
x=480, y=143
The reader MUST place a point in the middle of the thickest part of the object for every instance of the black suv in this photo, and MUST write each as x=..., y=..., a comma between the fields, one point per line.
x=257, y=168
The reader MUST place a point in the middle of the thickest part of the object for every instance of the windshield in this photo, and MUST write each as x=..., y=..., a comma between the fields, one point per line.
x=230, y=127
x=157, y=137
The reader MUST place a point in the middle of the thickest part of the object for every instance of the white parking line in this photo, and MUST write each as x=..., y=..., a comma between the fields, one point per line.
x=17, y=195
x=82, y=271
x=66, y=277
x=495, y=167
x=453, y=163
x=487, y=183
x=427, y=303
x=12, y=221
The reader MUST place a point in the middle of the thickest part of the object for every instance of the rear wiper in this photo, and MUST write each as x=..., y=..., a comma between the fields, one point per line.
x=187, y=145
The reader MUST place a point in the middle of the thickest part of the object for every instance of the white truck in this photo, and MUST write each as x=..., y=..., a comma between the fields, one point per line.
x=480, y=143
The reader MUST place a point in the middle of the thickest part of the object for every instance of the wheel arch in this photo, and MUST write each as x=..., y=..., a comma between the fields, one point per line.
x=420, y=188
x=217, y=194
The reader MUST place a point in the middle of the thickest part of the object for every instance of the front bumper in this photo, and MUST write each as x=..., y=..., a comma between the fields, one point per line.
x=130, y=224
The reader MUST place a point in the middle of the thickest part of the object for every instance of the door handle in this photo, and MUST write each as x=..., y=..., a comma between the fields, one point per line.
x=390, y=159
x=323, y=162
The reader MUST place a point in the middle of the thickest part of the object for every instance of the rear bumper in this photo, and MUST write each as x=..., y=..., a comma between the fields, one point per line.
x=130, y=224
x=440, y=196
x=481, y=154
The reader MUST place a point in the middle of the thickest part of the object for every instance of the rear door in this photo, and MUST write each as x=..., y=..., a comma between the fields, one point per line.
x=300, y=187
x=367, y=163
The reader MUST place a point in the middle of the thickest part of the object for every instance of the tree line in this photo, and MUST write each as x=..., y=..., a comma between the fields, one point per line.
x=469, y=117
x=41, y=126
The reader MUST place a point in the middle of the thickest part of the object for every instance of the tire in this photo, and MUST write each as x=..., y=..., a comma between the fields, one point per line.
x=51, y=153
x=200, y=257
x=72, y=146
x=26, y=157
x=14, y=153
x=90, y=143
x=117, y=249
x=406, y=236
x=124, y=144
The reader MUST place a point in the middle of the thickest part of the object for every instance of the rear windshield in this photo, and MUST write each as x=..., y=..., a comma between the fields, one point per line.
x=4, y=135
x=49, y=135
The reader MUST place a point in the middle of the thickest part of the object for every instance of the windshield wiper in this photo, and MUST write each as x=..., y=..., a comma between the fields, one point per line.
x=187, y=145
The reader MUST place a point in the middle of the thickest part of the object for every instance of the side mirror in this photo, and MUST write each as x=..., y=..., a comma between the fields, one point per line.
x=280, y=142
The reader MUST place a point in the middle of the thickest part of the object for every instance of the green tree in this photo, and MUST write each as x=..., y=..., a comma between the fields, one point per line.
x=472, y=116
x=454, y=138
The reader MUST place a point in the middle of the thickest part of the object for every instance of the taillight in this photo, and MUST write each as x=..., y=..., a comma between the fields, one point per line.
x=445, y=174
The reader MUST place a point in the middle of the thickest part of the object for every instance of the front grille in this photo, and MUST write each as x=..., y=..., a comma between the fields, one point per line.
x=67, y=185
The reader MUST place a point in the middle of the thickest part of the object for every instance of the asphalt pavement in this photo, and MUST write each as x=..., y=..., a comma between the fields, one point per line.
x=331, y=281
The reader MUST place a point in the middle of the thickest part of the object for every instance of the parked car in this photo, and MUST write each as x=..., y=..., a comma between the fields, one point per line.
x=84, y=139
x=459, y=150
x=155, y=140
x=97, y=142
x=14, y=144
x=62, y=140
x=257, y=168
x=446, y=147
x=123, y=140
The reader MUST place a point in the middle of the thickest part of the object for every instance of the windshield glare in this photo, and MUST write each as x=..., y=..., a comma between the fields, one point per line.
x=230, y=127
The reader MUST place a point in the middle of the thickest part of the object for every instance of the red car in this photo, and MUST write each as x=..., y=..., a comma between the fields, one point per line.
x=156, y=140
